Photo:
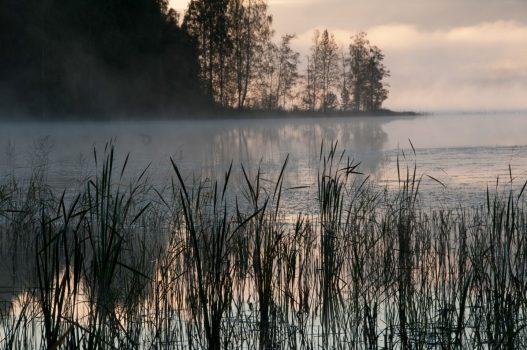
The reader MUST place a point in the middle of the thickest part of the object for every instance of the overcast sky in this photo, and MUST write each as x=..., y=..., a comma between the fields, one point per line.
x=443, y=54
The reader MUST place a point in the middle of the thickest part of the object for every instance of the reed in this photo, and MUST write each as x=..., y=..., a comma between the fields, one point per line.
x=215, y=264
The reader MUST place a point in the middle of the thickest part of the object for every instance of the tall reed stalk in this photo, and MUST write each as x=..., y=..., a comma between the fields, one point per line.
x=221, y=264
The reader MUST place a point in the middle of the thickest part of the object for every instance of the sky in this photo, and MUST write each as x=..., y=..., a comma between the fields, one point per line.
x=442, y=54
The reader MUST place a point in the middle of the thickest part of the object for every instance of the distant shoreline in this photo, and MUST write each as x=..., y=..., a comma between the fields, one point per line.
x=213, y=115
x=249, y=114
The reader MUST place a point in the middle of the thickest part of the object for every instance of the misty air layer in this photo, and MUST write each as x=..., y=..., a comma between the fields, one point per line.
x=74, y=58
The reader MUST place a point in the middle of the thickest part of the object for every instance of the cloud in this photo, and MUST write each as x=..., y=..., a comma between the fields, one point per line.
x=498, y=33
x=362, y=14
x=404, y=36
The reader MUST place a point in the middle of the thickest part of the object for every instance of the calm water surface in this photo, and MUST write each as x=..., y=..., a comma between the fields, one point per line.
x=467, y=152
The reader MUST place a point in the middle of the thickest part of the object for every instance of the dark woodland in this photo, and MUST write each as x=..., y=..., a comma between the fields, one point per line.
x=74, y=58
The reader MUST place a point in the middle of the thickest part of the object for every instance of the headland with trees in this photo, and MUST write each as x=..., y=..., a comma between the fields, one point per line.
x=141, y=58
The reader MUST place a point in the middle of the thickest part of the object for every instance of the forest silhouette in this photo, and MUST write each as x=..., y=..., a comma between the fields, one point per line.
x=74, y=58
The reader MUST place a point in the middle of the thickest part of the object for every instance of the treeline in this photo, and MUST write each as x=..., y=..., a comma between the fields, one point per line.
x=138, y=56
x=243, y=68
x=357, y=76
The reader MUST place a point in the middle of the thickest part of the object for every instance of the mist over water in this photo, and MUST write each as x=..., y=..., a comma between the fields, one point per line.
x=466, y=152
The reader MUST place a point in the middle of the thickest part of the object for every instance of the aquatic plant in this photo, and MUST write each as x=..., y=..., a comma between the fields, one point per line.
x=208, y=264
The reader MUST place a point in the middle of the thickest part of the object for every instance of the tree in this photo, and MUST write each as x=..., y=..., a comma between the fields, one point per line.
x=250, y=29
x=208, y=22
x=365, y=76
x=311, y=91
x=345, y=93
x=323, y=73
x=288, y=75
x=278, y=75
x=358, y=56
x=375, y=90
x=232, y=37
x=263, y=96
x=329, y=71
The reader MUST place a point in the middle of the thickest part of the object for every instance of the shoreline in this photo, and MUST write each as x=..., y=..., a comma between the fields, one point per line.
x=213, y=115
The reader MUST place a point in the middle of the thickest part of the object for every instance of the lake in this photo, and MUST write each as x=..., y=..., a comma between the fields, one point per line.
x=465, y=151
x=357, y=272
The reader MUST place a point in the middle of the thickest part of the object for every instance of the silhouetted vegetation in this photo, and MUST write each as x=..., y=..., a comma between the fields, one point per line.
x=243, y=68
x=74, y=57
x=220, y=265
x=77, y=57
